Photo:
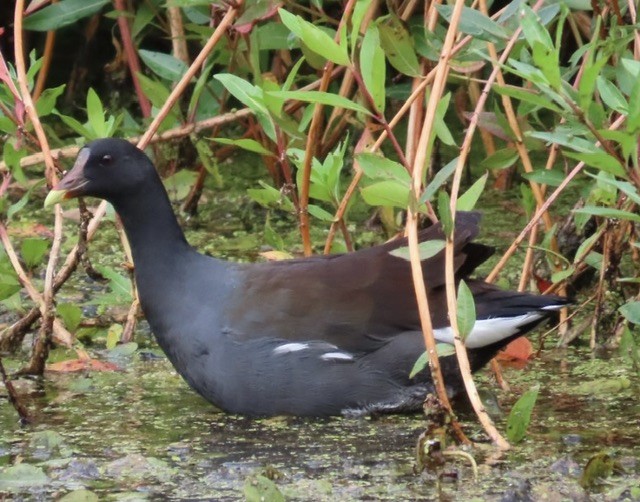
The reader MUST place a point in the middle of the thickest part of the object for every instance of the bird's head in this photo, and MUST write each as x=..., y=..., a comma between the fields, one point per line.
x=106, y=168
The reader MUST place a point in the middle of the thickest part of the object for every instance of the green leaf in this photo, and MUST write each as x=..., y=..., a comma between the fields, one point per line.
x=467, y=201
x=533, y=30
x=12, y=158
x=203, y=98
x=568, y=137
x=585, y=244
x=250, y=145
x=33, y=251
x=594, y=259
x=359, y=11
x=607, y=212
x=95, y=113
x=548, y=60
x=293, y=73
x=528, y=200
x=631, y=66
x=272, y=36
x=252, y=97
x=600, y=160
x=179, y=184
x=63, y=13
x=315, y=38
x=475, y=23
x=561, y=275
x=625, y=140
x=444, y=211
x=7, y=125
x=47, y=100
x=268, y=196
x=157, y=92
x=527, y=96
x=209, y=162
x=630, y=190
x=439, y=125
x=9, y=284
x=631, y=312
x=123, y=350
x=520, y=415
x=420, y=364
x=443, y=350
x=373, y=66
x=386, y=193
x=587, y=84
x=501, y=159
x=398, y=46
x=427, y=249
x=271, y=237
x=142, y=19
x=438, y=180
x=165, y=66
x=629, y=349
x=71, y=314
x=77, y=127
x=324, y=98
x=114, y=333
x=633, y=112
x=332, y=167
x=317, y=212
x=466, y=314
x=535, y=76
x=375, y=166
x=118, y=283
x=248, y=94
x=551, y=177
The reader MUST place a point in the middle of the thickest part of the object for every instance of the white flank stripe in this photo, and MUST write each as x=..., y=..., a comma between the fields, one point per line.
x=488, y=331
x=336, y=356
x=290, y=347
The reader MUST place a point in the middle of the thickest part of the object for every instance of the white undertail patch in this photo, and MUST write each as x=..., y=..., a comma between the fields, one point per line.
x=489, y=331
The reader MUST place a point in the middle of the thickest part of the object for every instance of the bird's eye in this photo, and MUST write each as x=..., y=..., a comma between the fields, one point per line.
x=106, y=159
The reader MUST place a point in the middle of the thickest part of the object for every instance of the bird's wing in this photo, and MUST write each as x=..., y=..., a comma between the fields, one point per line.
x=354, y=301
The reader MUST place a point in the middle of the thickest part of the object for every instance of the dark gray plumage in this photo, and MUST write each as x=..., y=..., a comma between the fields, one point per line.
x=317, y=336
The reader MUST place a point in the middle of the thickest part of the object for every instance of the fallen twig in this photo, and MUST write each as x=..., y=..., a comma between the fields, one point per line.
x=25, y=418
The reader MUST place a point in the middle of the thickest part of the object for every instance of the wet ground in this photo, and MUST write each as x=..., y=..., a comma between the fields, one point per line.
x=140, y=433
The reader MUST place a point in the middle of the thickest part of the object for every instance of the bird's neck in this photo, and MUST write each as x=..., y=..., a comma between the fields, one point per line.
x=155, y=237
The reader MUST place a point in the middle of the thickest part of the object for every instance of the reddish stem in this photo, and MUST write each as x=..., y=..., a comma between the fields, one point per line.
x=132, y=57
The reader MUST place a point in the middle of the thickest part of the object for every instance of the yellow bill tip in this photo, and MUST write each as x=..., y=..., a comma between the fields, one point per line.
x=54, y=197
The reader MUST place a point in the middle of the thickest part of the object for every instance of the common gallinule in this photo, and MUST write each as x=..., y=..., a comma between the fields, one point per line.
x=326, y=335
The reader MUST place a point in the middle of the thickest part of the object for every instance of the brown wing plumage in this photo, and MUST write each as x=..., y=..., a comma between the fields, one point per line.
x=355, y=300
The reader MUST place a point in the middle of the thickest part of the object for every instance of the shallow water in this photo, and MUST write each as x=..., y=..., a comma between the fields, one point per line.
x=141, y=433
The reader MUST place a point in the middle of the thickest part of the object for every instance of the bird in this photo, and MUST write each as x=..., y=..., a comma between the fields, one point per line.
x=317, y=336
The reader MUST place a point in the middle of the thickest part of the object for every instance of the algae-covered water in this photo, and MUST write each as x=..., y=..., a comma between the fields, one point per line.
x=141, y=433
